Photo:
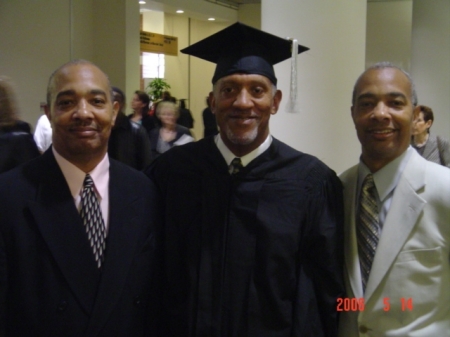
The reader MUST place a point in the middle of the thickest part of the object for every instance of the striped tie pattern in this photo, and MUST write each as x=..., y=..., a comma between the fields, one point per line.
x=368, y=227
x=93, y=220
x=236, y=165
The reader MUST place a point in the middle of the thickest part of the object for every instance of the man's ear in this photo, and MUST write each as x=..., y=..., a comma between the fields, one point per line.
x=47, y=112
x=212, y=102
x=416, y=112
x=352, y=112
x=116, y=107
x=276, y=102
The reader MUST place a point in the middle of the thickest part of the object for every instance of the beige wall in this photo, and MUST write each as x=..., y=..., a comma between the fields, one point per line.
x=250, y=14
x=431, y=59
x=38, y=36
x=335, y=32
x=389, y=25
x=32, y=47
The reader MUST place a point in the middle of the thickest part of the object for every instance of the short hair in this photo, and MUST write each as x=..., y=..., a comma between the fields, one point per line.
x=143, y=97
x=427, y=113
x=51, y=80
x=121, y=99
x=8, y=106
x=167, y=104
x=121, y=94
x=385, y=65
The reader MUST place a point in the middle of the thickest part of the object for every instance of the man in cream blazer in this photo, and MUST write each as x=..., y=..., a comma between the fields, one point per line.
x=408, y=288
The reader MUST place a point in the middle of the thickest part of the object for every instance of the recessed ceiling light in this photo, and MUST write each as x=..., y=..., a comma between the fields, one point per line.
x=179, y=11
x=211, y=19
x=142, y=2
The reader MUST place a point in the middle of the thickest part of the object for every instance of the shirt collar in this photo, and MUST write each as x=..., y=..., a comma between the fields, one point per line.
x=75, y=177
x=229, y=156
x=387, y=178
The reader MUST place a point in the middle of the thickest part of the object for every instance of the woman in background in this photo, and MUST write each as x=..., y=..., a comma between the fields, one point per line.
x=435, y=149
x=17, y=145
x=140, y=105
x=170, y=133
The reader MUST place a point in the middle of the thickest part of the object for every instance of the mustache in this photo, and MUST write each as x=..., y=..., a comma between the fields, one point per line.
x=84, y=124
x=242, y=115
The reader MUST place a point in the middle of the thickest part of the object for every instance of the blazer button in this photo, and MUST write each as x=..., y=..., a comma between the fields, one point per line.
x=363, y=329
x=137, y=301
x=62, y=305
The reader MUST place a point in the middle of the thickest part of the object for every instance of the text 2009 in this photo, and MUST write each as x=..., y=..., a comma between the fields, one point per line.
x=350, y=304
x=357, y=304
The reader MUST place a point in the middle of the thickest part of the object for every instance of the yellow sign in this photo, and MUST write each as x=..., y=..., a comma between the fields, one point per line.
x=157, y=43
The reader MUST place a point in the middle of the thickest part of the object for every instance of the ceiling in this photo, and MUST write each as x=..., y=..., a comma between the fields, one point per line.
x=221, y=10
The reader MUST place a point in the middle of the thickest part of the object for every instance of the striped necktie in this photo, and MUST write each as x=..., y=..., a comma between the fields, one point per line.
x=236, y=165
x=91, y=215
x=368, y=227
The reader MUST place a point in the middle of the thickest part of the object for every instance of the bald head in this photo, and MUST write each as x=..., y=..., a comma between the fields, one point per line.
x=52, y=81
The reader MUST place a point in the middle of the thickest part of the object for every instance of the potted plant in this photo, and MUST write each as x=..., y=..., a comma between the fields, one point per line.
x=156, y=87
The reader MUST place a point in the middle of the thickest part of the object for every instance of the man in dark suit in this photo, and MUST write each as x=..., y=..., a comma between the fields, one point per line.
x=54, y=280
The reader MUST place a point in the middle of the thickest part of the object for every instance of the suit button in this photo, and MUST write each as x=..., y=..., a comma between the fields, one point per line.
x=363, y=329
x=137, y=301
x=62, y=305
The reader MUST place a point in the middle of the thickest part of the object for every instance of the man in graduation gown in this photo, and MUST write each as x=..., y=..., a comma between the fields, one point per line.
x=253, y=248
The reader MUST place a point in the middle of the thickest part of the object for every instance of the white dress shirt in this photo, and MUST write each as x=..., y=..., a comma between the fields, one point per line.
x=229, y=156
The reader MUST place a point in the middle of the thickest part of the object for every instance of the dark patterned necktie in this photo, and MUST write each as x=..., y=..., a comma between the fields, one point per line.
x=236, y=165
x=93, y=220
x=367, y=227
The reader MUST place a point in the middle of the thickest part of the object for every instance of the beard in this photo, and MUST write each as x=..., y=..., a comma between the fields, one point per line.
x=244, y=139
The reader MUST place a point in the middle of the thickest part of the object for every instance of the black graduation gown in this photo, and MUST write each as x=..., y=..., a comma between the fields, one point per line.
x=255, y=254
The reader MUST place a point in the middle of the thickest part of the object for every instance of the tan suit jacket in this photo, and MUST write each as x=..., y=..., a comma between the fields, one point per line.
x=411, y=261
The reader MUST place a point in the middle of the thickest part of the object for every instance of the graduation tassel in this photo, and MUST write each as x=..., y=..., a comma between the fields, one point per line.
x=292, y=104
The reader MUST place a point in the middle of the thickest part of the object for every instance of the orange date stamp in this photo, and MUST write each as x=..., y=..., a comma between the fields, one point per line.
x=357, y=304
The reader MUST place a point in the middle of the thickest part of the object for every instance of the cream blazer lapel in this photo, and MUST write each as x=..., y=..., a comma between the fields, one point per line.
x=400, y=221
x=352, y=267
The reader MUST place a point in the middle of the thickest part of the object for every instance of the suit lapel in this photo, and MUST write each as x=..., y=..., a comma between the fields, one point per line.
x=121, y=244
x=61, y=228
x=352, y=268
x=400, y=221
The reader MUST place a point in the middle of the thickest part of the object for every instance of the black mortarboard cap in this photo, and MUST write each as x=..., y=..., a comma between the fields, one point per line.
x=241, y=48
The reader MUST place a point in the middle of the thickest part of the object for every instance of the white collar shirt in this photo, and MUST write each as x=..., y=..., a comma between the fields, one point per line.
x=75, y=178
x=229, y=156
x=386, y=180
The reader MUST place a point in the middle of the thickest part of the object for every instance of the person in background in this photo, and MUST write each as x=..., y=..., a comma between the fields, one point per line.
x=169, y=133
x=129, y=142
x=43, y=133
x=397, y=218
x=209, y=121
x=16, y=143
x=77, y=229
x=435, y=149
x=185, y=118
x=253, y=228
x=140, y=105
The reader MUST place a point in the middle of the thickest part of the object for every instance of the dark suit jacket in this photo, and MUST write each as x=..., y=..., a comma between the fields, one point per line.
x=129, y=143
x=49, y=284
x=437, y=151
x=16, y=147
